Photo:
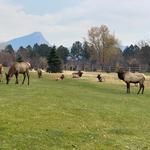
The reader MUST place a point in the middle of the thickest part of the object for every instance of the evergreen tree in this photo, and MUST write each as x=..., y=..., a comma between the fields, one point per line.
x=54, y=63
x=35, y=49
x=63, y=53
x=76, y=50
x=129, y=51
x=86, y=51
x=43, y=50
x=9, y=49
x=19, y=58
x=144, y=55
x=30, y=50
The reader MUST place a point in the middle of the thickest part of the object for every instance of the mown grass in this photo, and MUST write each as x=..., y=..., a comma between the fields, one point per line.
x=73, y=115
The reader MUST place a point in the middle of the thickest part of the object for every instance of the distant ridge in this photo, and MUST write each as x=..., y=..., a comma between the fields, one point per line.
x=24, y=41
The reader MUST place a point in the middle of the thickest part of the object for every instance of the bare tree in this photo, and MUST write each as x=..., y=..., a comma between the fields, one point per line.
x=7, y=58
x=23, y=53
x=43, y=63
x=104, y=43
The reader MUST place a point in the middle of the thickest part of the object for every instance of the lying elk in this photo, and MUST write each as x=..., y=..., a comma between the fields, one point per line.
x=61, y=77
x=16, y=69
x=129, y=77
x=77, y=74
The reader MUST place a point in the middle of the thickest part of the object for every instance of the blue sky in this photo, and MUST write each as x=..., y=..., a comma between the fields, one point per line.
x=66, y=21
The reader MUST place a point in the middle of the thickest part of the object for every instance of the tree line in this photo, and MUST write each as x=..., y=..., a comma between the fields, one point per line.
x=101, y=48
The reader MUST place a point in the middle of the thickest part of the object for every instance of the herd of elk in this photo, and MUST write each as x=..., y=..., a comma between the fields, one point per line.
x=23, y=68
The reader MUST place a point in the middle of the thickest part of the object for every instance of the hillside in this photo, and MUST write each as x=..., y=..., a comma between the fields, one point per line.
x=26, y=40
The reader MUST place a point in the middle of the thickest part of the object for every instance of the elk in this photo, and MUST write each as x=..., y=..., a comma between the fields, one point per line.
x=16, y=69
x=77, y=74
x=39, y=72
x=130, y=77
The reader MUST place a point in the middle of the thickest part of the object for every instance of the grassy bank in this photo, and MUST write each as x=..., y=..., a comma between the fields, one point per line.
x=73, y=115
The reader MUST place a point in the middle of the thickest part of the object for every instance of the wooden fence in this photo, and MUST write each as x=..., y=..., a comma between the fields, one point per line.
x=133, y=69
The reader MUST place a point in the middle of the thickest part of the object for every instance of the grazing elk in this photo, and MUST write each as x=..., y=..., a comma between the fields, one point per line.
x=16, y=69
x=77, y=74
x=129, y=77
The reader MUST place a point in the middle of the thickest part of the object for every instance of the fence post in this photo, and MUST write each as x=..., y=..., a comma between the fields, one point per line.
x=109, y=68
x=139, y=68
x=129, y=68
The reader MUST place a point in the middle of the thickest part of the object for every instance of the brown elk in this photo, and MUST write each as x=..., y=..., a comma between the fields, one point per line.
x=61, y=77
x=77, y=74
x=39, y=72
x=99, y=78
x=16, y=69
x=129, y=77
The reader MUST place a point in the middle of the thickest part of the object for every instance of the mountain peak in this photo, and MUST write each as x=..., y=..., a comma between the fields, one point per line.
x=36, y=33
x=30, y=39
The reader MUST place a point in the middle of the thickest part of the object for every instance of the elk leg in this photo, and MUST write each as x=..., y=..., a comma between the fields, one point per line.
x=16, y=75
x=1, y=77
x=28, y=77
x=128, y=87
x=24, y=77
x=140, y=88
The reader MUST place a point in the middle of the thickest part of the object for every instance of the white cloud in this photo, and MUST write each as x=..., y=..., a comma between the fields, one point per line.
x=129, y=20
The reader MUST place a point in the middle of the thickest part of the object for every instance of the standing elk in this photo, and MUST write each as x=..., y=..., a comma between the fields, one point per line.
x=129, y=77
x=99, y=78
x=39, y=72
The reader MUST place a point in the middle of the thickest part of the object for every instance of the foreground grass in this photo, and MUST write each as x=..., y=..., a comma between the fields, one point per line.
x=73, y=115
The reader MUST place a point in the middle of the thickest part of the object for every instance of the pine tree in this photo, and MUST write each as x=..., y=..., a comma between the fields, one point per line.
x=9, y=49
x=63, y=53
x=19, y=58
x=54, y=63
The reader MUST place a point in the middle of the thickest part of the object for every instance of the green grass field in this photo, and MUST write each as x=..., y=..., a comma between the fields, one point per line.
x=73, y=115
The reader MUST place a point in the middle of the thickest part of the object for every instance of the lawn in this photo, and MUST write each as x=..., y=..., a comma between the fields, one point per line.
x=74, y=114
